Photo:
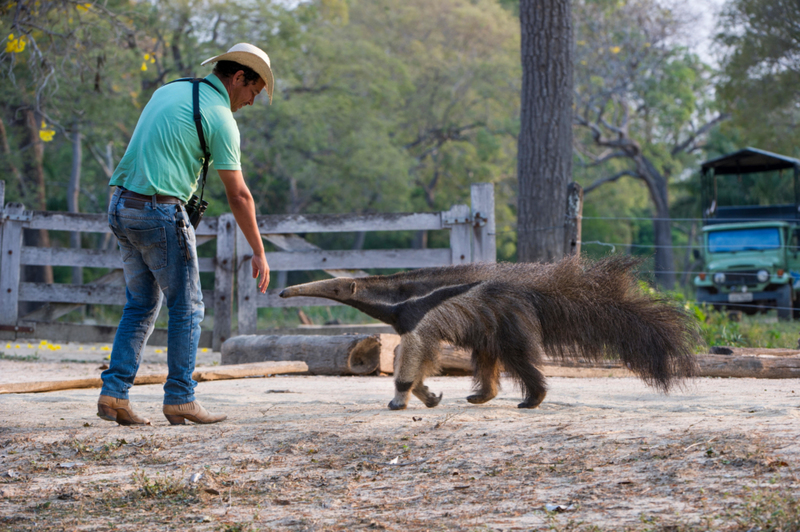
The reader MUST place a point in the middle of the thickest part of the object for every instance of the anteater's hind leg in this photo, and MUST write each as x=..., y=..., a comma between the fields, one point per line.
x=519, y=364
x=487, y=376
x=416, y=361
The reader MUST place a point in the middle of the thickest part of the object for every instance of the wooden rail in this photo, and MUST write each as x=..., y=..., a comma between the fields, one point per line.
x=472, y=238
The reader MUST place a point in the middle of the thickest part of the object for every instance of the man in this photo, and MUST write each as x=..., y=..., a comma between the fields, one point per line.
x=155, y=177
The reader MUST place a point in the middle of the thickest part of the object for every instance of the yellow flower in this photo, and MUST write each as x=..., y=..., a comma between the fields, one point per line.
x=159, y=351
x=105, y=348
x=15, y=44
x=80, y=349
x=615, y=49
x=29, y=346
x=45, y=133
x=146, y=57
x=83, y=7
x=16, y=346
x=43, y=342
x=144, y=66
x=205, y=350
x=8, y=346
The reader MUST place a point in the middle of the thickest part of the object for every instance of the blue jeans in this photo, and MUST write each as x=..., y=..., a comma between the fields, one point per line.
x=159, y=254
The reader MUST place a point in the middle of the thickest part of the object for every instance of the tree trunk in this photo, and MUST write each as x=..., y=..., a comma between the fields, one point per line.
x=544, y=163
x=662, y=228
x=34, y=174
x=73, y=195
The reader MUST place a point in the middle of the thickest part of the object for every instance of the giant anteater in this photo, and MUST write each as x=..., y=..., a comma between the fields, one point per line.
x=509, y=315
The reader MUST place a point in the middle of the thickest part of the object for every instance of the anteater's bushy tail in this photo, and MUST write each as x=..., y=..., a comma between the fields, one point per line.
x=598, y=310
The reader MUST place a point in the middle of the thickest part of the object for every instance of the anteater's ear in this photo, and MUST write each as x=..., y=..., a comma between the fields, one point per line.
x=353, y=288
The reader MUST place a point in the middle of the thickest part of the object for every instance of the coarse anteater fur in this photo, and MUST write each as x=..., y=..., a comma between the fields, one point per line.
x=510, y=315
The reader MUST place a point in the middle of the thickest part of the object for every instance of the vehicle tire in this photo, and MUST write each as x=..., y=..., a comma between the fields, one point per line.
x=783, y=300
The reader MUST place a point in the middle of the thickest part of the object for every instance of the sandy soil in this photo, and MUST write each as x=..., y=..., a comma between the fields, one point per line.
x=324, y=453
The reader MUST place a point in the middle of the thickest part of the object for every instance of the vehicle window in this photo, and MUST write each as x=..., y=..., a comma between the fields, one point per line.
x=749, y=239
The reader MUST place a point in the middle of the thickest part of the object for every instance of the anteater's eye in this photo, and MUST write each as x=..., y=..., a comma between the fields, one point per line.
x=336, y=291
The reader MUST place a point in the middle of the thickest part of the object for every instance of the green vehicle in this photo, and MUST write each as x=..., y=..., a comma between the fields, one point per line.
x=750, y=252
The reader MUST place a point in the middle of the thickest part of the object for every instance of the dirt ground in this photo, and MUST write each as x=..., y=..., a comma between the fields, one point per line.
x=324, y=453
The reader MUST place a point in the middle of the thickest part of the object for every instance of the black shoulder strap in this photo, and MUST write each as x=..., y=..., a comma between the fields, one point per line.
x=198, y=123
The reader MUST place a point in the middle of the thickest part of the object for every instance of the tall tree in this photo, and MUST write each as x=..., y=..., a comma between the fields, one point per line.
x=761, y=66
x=544, y=156
x=643, y=104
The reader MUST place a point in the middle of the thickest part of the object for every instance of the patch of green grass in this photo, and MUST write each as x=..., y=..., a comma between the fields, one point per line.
x=19, y=358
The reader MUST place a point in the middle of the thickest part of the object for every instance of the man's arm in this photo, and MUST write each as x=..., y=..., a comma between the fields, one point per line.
x=244, y=210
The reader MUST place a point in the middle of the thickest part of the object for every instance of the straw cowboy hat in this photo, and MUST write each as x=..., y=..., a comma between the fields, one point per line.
x=249, y=56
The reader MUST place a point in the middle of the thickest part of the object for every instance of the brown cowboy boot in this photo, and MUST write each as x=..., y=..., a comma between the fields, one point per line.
x=119, y=410
x=194, y=411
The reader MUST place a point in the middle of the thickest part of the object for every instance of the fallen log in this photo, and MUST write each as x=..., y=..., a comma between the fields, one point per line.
x=218, y=373
x=350, y=354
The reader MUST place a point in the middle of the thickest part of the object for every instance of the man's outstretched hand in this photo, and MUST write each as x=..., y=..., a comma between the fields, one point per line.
x=261, y=269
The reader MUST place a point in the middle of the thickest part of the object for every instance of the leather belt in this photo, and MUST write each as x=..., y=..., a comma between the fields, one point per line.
x=129, y=194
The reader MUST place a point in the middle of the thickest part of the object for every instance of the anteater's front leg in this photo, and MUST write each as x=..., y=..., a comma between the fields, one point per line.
x=413, y=363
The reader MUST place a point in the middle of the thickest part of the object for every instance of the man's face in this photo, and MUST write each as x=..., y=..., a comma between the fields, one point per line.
x=243, y=94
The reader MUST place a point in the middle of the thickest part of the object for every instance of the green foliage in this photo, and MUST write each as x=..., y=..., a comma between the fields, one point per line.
x=761, y=72
x=719, y=328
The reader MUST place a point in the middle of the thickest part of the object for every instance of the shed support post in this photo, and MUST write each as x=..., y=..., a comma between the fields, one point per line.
x=484, y=240
x=223, y=279
x=460, y=234
x=11, y=253
x=246, y=286
x=572, y=229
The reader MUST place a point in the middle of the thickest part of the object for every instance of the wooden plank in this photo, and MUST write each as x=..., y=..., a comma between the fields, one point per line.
x=223, y=279
x=484, y=240
x=96, y=223
x=460, y=235
x=355, y=259
x=10, y=272
x=247, y=288
x=92, y=258
x=70, y=293
x=52, y=311
x=340, y=223
x=297, y=243
x=68, y=221
x=77, y=332
x=240, y=371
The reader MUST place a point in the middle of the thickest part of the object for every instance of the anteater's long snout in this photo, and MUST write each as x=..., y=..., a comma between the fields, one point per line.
x=336, y=289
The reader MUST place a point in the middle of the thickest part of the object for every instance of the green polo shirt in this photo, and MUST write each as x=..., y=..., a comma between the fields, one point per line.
x=164, y=155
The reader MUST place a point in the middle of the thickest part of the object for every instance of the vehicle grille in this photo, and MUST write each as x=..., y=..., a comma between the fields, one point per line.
x=740, y=278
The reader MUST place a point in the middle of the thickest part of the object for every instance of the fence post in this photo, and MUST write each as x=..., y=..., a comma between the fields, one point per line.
x=458, y=218
x=13, y=215
x=2, y=203
x=572, y=229
x=484, y=240
x=223, y=279
x=246, y=286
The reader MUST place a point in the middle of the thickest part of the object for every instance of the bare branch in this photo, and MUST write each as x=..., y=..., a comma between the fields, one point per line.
x=610, y=179
x=683, y=146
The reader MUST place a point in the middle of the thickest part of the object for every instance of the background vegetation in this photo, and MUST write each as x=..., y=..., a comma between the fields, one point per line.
x=385, y=106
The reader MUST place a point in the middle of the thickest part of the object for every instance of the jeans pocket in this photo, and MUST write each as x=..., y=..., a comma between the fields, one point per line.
x=152, y=244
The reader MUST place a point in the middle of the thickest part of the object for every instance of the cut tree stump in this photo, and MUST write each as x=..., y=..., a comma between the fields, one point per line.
x=230, y=372
x=350, y=354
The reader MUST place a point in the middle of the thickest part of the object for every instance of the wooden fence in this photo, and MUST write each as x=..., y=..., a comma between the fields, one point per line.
x=472, y=238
